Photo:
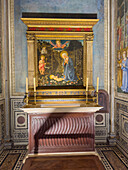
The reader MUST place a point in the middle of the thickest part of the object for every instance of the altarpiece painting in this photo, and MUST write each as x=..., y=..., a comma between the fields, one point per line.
x=59, y=62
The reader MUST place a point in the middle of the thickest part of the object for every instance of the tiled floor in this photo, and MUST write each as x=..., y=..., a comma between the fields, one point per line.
x=12, y=158
x=111, y=157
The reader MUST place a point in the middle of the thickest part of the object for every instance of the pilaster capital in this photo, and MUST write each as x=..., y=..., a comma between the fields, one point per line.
x=30, y=36
x=89, y=37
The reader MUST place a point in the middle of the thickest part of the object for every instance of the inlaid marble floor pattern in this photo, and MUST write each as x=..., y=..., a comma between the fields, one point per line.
x=111, y=157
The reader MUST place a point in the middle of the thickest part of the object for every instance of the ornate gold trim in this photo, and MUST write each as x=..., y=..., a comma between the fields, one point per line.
x=49, y=22
x=62, y=91
x=59, y=36
x=58, y=26
x=58, y=19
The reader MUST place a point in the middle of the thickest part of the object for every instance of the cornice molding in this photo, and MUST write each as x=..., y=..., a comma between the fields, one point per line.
x=66, y=23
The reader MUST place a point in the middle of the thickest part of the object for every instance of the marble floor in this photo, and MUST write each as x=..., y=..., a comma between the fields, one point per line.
x=111, y=157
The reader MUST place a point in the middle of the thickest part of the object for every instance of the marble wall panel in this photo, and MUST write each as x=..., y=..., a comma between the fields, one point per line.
x=121, y=124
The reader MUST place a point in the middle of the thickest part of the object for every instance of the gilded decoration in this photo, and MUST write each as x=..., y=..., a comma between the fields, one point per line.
x=45, y=22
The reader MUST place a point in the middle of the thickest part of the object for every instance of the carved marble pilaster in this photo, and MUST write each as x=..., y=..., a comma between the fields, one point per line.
x=31, y=52
x=89, y=49
x=112, y=139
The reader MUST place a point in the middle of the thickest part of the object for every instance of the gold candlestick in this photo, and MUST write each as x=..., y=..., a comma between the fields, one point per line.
x=34, y=91
x=97, y=98
x=86, y=97
x=34, y=84
x=87, y=84
x=86, y=90
x=97, y=84
x=26, y=90
x=97, y=90
x=35, y=97
x=26, y=98
x=26, y=84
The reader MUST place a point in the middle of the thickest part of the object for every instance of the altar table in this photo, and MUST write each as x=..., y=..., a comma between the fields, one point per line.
x=61, y=129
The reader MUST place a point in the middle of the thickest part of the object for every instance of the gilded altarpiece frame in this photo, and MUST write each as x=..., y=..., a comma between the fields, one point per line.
x=56, y=34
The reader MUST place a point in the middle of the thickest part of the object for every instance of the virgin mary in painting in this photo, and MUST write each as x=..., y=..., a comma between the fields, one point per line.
x=69, y=71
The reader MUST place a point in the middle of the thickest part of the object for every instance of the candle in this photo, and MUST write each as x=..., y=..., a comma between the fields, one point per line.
x=34, y=85
x=26, y=84
x=87, y=84
x=97, y=84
